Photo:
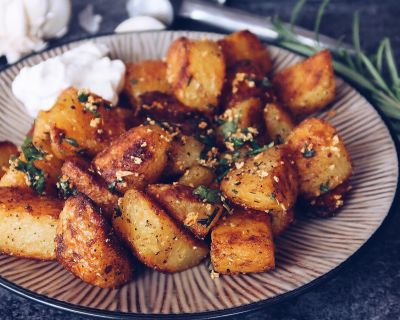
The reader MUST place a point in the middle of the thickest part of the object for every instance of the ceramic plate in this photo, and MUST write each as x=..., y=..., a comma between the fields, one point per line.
x=309, y=250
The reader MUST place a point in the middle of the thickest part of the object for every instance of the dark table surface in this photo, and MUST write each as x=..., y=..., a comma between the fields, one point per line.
x=369, y=286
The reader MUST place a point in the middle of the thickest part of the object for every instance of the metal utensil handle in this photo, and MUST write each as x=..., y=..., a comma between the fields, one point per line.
x=233, y=20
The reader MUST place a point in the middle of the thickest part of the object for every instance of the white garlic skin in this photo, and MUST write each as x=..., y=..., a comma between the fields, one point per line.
x=162, y=10
x=139, y=23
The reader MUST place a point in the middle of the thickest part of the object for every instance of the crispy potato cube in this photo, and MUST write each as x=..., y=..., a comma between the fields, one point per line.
x=154, y=237
x=180, y=202
x=327, y=204
x=7, y=149
x=145, y=76
x=242, y=243
x=135, y=159
x=196, y=72
x=87, y=246
x=184, y=153
x=267, y=181
x=77, y=127
x=244, y=45
x=307, y=86
x=281, y=220
x=164, y=107
x=49, y=166
x=28, y=223
x=79, y=176
x=321, y=157
x=278, y=122
x=197, y=176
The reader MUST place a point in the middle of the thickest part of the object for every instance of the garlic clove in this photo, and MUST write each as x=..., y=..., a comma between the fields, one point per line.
x=89, y=21
x=162, y=10
x=57, y=18
x=139, y=23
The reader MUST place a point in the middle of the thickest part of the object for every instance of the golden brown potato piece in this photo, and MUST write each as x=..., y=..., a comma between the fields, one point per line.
x=77, y=175
x=7, y=149
x=278, y=123
x=87, y=246
x=135, y=159
x=145, y=76
x=196, y=72
x=327, y=204
x=244, y=45
x=197, y=176
x=40, y=175
x=28, y=223
x=307, y=86
x=184, y=153
x=267, y=181
x=154, y=237
x=78, y=123
x=281, y=220
x=321, y=157
x=180, y=202
x=242, y=243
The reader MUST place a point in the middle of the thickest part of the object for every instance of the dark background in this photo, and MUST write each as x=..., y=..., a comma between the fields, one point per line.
x=366, y=288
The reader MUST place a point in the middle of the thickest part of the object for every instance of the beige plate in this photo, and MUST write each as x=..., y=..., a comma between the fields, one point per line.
x=309, y=250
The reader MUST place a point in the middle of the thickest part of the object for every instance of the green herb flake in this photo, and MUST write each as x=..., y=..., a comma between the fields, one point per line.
x=72, y=142
x=30, y=151
x=308, y=152
x=35, y=176
x=207, y=221
x=256, y=151
x=207, y=195
x=65, y=189
x=266, y=83
x=324, y=187
x=117, y=211
x=83, y=97
x=112, y=187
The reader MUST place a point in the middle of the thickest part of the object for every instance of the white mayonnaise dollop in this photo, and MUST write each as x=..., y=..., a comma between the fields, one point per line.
x=86, y=66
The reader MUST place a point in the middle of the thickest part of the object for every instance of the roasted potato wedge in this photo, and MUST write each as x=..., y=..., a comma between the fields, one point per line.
x=87, y=246
x=244, y=45
x=135, y=159
x=40, y=175
x=78, y=123
x=77, y=175
x=267, y=181
x=184, y=153
x=145, y=76
x=7, y=149
x=278, y=123
x=327, y=204
x=196, y=72
x=281, y=220
x=28, y=223
x=197, y=176
x=154, y=237
x=242, y=242
x=307, y=86
x=180, y=202
x=320, y=156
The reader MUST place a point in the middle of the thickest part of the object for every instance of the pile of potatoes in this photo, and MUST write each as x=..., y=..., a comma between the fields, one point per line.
x=210, y=153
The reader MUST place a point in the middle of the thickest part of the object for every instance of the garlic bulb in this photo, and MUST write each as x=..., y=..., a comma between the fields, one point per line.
x=139, y=23
x=24, y=24
x=160, y=9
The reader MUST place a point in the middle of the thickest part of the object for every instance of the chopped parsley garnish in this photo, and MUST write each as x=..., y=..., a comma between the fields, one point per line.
x=64, y=188
x=72, y=142
x=308, y=152
x=266, y=83
x=30, y=151
x=35, y=176
x=207, y=195
x=222, y=169
x=207, y=221
x=83, y=97
x=324, y=187
x=92, y=109
x=112, y=187
x=272, y=196
x=258, y=150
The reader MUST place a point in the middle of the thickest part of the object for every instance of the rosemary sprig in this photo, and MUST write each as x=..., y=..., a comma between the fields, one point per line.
x=367, y=73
